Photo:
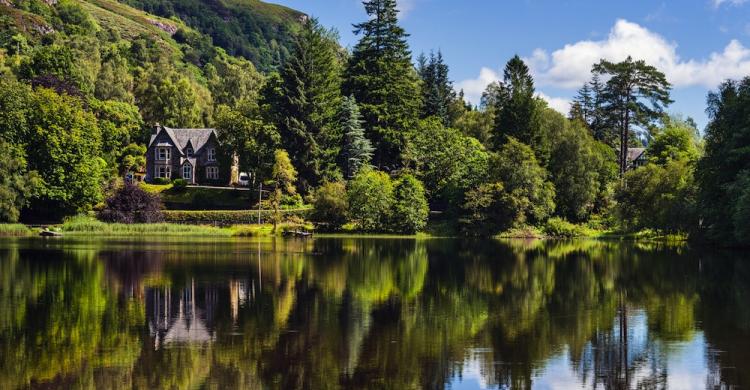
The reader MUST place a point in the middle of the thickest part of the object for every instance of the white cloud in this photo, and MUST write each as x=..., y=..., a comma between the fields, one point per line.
x=718, y=3
x=405, y=6
x=561, y=105
x=473, y=88
x=570, y=66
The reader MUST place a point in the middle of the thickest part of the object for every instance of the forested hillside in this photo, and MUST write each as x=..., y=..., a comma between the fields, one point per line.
x=258, y=31
x=373, y=139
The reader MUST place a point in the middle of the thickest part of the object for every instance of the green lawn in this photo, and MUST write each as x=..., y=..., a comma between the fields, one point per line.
x=198, y=198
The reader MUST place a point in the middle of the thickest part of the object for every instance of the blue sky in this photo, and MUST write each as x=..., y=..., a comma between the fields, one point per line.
x=697, y=43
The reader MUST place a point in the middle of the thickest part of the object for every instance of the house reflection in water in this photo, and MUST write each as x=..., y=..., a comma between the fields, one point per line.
x=188, y=315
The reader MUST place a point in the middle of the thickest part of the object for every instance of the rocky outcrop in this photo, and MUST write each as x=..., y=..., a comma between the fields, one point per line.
x=168, y=28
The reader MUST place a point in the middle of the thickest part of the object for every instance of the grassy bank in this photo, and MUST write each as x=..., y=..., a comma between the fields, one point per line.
x=201, y=198
x=14, y=230
x=91, y=227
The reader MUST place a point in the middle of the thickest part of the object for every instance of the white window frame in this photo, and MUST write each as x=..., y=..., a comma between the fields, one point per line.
x=190, y=152
x=187, y=172
x=212, y=173
x=167, y=154
x=212, y=154
x=167, y=174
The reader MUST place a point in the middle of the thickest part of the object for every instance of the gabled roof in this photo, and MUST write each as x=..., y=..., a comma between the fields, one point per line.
x=635, y=153
x=197, y=138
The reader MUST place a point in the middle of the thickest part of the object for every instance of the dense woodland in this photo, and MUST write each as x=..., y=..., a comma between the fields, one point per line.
x=372, y=137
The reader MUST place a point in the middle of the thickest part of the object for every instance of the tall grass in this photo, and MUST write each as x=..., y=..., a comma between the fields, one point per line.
x=87, y=225
x=14, y=230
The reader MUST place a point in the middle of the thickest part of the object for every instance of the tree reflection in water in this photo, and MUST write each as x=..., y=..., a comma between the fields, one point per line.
x=370, y=313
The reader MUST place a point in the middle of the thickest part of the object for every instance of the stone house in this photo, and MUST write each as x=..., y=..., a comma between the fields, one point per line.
x=190, y=154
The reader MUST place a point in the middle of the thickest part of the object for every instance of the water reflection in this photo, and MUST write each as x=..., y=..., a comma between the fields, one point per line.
x=366, y=313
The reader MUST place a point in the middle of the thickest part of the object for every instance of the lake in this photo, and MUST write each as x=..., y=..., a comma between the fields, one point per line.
x=370, y=313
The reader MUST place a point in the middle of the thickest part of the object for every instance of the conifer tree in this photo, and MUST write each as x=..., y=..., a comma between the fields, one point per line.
x=381, y=77
x=309, y=101
x=438, y=94
x=357, y=151
x=515, y=106
x=635, y=95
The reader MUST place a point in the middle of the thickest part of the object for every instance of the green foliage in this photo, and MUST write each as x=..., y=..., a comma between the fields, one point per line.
x=76, y=20
x=17, y=185
x=172, y=99
x=446, y=161
x=242, y=131
x=179, y=184
x=660, y=197
x=438, y=95
x=383, y=81
x=561, y=228
x=232, y=81
x=63, y=144
x=283, y=178
x=515, y=106
x=357, y=150
x=477, y=124
x=741, y=207
x=330, y=206
x=582, y=170
x=516, y=193
x=676, y=142
x=410, y=209
x=133, y=158
x=229, y=218
x=310, y=96
x=370, y=196
x=258, y=31
x=635, y=94
x=727, y=156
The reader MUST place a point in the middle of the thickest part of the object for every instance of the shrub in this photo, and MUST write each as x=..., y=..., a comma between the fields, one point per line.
x=131, y=204
x=179, y=184
x=161, y=181
x=228, y=218
x=559, y=227
x=330, y=206
x=410, y=209
x=370, y=196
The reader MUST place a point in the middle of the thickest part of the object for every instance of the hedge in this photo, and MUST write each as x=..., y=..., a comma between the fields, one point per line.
x=230, y=217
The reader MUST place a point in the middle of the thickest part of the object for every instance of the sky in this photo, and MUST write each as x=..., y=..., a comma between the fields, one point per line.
x=696, y=43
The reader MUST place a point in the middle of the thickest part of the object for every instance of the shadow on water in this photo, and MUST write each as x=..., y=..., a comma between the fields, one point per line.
x=370, y=313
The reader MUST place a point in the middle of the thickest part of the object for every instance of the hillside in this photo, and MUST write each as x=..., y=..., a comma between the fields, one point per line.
x=258, y=31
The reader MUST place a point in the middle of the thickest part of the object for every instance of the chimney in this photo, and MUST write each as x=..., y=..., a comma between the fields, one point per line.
x=157, y=127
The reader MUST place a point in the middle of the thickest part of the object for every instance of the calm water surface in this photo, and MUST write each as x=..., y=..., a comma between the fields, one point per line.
x=370, y=314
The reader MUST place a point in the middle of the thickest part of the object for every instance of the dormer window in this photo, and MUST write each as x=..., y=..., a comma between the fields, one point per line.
x=211, y=154
x=189, y=152
x=162, y=154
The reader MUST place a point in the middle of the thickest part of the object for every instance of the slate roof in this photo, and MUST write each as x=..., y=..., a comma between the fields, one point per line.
x=635, y=153
x=197, y=138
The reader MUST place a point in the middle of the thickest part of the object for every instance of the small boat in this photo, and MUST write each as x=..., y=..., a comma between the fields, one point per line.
x=50, y=233
x=297, y=233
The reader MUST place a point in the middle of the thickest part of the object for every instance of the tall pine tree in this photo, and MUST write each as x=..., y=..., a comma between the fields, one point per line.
x=438, y=95
x=382, y=78
x=515, y=106
x=588, y=107
x=357, y=151
x=308, y=104
x=635, y=95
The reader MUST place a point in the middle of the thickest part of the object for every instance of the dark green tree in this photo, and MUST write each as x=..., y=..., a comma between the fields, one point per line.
x=438, y=95
x=381, y=77
x=725, y=166
x=515, y=106
x=17, y=185
x=588, y=107
x=410, y=209
x=357, y=150
x=635, y=95
x=309, y=101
